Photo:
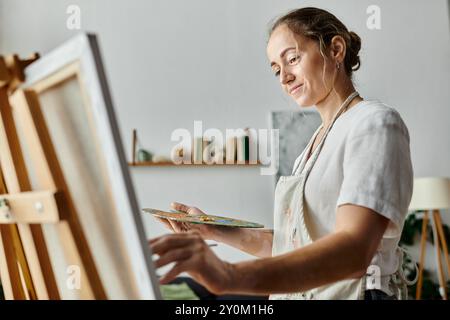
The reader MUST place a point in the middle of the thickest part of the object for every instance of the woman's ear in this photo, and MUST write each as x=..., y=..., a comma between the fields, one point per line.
x=338, y=48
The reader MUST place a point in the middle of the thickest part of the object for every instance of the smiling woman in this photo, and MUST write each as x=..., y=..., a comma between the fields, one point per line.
x=338, y=217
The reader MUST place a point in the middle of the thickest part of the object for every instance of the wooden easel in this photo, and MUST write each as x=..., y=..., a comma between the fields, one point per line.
x=26, y=270
x=441, y=244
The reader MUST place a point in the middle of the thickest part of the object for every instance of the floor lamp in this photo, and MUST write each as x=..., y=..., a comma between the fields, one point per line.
x=431, y=195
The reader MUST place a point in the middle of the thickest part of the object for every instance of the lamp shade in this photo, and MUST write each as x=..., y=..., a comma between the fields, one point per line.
x=430, y=193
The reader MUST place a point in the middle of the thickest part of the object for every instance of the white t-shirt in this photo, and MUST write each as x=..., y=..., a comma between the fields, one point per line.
x=366, y=161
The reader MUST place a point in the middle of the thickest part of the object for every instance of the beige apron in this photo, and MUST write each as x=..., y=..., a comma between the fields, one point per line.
x=291, y=231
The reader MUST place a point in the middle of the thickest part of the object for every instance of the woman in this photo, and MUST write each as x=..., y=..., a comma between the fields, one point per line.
x=339, y=217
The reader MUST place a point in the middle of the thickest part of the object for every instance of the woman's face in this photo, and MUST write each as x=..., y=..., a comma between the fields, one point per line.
x=301, y=72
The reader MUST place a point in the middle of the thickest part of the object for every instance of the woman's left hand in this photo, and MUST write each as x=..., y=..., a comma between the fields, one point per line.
x=191, y=254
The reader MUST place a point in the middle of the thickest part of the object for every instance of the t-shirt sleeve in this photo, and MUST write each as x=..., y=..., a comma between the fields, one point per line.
x=377, y=168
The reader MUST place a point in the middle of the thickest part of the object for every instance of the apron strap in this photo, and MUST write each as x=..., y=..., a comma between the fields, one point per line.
x=399, y=278
x=319, y=147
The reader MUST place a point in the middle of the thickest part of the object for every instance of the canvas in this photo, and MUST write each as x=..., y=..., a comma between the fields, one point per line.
x=66, y=95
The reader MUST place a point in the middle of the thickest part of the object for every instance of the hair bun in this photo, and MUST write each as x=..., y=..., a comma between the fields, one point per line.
x=355, y=42
x=354, y=48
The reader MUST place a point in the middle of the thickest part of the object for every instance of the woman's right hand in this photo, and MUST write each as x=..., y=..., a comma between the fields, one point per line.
x=206, y=231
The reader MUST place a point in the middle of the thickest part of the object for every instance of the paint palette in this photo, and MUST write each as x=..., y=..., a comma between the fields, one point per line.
x=203, y=219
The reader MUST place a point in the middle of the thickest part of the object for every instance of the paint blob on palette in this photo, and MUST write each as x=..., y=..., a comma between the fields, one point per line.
x=203, y=219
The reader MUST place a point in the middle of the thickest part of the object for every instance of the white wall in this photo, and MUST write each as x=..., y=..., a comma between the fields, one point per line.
x=172, y=62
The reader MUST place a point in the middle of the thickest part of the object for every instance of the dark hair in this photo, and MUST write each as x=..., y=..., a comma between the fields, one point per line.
x=322, y=26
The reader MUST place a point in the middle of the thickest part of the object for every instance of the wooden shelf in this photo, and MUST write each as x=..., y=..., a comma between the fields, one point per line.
x=171, y=164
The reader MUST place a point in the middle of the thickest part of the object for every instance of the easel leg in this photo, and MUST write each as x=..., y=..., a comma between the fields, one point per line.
x=443, y=242
x=12, y=267
x=4, y=272
x=422, y=255
x=23, y=264
x=45, y=286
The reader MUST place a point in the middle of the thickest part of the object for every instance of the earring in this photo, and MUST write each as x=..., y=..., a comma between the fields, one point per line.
x=338, y=65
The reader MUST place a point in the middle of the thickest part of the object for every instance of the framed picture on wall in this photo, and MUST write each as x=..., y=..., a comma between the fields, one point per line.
x=295, y=130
